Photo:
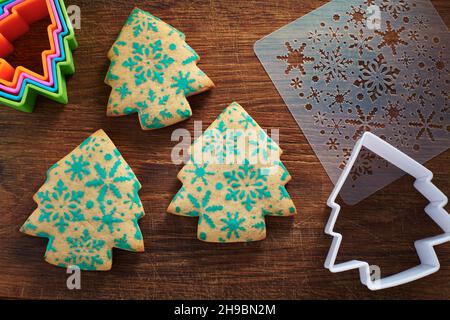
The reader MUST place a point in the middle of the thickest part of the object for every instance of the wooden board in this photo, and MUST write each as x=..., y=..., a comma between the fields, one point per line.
x=289, y=264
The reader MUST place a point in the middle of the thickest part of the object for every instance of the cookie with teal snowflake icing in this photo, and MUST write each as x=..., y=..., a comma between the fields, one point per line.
x=233, y=181
x=88, y=205
x=152, y=72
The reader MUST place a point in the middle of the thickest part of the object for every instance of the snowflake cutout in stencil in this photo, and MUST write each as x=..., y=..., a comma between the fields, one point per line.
x=296, y=83
x=401, y=136
x=339, y=98
x=315, y=36
x=295, y=58
x=426, y=125
x=364, y=122
x=81, y=226
x=333, y=144
x=333, y=64
x=366, y=79
x=395, y=7
x=320, y=118
x=346, y=154
x=315, y=95
x=406, y=59
x=361, y=42
x=421, y=50
x=377, y=77
x=413, y=35
x=357, y=16
x=394, y=113
x=446, y=95
x=335, y=36
x=440, y=65
x=363, y=166
x=391, y=37
x=420, y=90
x=336, y=126
x=421, y=22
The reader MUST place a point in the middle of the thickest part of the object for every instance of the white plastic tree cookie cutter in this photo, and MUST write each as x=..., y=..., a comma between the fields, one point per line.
x=435, y=210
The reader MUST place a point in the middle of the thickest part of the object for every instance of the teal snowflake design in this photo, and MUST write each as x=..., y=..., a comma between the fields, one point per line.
x=138, y=233
x=203, y=208
x=283, y=193
x=61, y=207
x=28, y=226
x=78, y=168
x=194, y=57
x=261, y=145
x=180, y=194
x=133, y=198
x=260, y=226
x=222, y=127
x=84, y=251
x=148, y=62
x=233, y=225
x=183, y=83
x=200, y=173
x=90, y=144
x=141, y=23
x=118, y=44
x=143, y=108
x=123, y=91
x=247, y=121
x=186, y=114
x=130, y=64
x=107, y=179
x=246, y=185
x=162, y=101
x=108, y=218
x=110, y=76
x=285, y=174
x=155, y=122
x=220, y=144
x=122, y=243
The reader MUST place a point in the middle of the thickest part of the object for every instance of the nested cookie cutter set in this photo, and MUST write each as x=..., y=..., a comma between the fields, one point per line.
x=344, y=82
x=20, y=86
x=339, y=78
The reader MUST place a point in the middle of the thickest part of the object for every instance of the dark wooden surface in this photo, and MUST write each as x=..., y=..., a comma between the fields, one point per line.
x=289, y=264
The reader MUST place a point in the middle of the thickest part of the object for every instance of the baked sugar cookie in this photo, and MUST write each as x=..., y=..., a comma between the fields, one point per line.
x=152, y=72
x=232, y=198
x=88, y=205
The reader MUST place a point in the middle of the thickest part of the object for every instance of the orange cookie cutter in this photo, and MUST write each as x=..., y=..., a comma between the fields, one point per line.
x=14, y=26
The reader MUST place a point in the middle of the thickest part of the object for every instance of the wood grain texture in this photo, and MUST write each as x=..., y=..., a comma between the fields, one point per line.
x=289, y=264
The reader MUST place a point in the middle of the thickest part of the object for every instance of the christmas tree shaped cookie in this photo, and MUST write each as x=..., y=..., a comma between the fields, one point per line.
x=88, y=205
x=152, y=72
x=234, y=179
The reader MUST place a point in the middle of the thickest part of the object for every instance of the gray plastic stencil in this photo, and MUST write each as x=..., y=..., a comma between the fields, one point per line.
x=340, y=78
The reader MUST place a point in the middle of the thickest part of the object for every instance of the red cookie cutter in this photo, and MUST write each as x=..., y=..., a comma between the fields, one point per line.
x=14, y=26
